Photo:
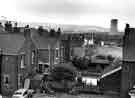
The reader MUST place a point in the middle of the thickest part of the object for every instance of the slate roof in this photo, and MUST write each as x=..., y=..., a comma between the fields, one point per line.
x=42, y=42
x=10, y=44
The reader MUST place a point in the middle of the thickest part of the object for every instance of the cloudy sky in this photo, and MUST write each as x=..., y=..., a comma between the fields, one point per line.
x=82, y=12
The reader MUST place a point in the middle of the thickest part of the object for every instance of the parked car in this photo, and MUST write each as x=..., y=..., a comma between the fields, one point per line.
x=0, y=96
x=23, y=93
x=132, y=93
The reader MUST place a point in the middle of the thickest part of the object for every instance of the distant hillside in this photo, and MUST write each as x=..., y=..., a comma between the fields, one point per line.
x=70, y=28
x=77, y=28
x=83, y=28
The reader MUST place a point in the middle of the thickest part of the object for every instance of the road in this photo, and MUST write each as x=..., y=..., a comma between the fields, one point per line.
x=88, y=96
x=61, y=95
x=78, y=96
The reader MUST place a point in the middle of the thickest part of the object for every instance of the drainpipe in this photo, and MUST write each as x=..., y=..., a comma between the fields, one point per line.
x=49, y=50
x=1, y=55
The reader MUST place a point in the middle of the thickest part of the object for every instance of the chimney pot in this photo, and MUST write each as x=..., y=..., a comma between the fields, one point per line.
x=27, y=32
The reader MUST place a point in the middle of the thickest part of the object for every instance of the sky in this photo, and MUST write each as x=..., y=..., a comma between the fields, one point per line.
x=80, y=12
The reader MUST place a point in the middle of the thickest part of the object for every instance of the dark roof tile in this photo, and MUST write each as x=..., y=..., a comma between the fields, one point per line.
x=11, y=43
x=42, y=42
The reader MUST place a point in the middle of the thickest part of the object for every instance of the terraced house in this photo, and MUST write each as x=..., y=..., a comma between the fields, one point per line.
x=25, y=53
x=17, y=59
x=48, y=49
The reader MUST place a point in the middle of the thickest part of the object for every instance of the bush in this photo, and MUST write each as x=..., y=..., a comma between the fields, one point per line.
x=61, y=73
x=80, y=63
x=63, y=76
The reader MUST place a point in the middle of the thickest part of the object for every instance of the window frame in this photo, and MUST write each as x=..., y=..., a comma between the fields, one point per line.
x=6, y=76
x=20, y=79
x=33, y=57
x=22, y=62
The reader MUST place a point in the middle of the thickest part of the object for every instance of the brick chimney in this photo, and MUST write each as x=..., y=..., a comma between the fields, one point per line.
x=114, y=26
x=27, y=32
x=28, y=50
x=128, y=66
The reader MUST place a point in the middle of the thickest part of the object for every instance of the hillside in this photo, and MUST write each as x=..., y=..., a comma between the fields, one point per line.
x=67, y=28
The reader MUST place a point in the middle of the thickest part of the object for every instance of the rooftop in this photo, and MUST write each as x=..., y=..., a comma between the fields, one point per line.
x=10, y=43
x=42, y=42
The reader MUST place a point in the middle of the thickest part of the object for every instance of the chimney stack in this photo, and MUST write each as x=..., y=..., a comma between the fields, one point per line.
x=128, y=62
x=27, y=32
x=114, y=26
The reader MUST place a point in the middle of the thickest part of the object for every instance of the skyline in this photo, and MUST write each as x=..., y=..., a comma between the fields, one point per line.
x=77, y=12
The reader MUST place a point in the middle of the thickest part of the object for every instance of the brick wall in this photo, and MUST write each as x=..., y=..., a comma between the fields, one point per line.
x=111, y=83
x=9, y=70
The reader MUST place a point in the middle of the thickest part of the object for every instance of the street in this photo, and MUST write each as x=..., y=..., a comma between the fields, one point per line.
x=76, y=96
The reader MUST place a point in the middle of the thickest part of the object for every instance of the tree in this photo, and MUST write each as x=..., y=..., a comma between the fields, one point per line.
x=8, y=26
x=58, y=33
x=16, y=29
x=80, y=63
x=63, y=72
x=52, y=33
x=63, y=76
x=40, y=30
x=110, y=58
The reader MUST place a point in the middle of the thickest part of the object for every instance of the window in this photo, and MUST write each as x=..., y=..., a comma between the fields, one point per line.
x=56, y=53
x=22, y=61
x=41, y=68
x=17, y=93
x=85, y=42
x=33, y=57
x=62, y=52
x=71, y=53
x=20, y=80
x=6, y=80
x=6, y=58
